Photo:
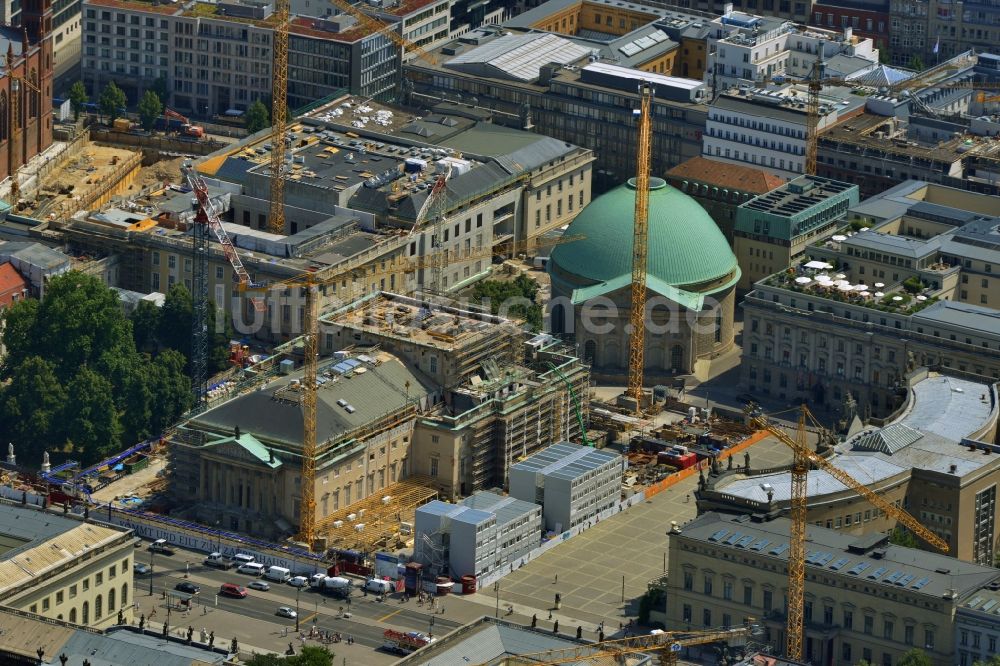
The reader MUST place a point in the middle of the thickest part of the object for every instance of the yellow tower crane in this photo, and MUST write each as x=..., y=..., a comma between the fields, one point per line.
x=279, y=94
x=803, y=458
x=640, y=242
x=311, y=283
x=386, y=30
x=279, y=120
x=668, y=644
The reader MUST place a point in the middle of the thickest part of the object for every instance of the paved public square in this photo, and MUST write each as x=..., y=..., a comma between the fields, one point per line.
x=588, y=570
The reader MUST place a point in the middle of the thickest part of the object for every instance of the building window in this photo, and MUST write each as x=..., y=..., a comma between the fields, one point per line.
x=908, y=634
x=848, y=619
x=845, y=652
x=706, y=617
x=434, y=467
x=686, y=613
x=708, y=586
x=768, y=599
x=887, y=629
x=869, y=624
x=928, y=639
x=748, y=595
x=688, y=581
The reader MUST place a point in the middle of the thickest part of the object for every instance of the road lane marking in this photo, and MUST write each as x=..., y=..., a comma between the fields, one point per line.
x=386, y=617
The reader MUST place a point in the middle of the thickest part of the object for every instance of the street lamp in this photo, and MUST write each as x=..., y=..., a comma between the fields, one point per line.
x=430, y=630
x=496, y=588
x=151, y=554
x=297, y=591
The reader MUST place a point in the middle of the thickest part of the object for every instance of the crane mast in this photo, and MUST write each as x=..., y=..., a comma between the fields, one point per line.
x=803, y=457
x=279, y=120
x=640, y=243
x=206, y=221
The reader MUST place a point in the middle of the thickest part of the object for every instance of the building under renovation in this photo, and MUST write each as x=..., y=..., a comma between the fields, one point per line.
x=504, y=395
x=413, y=398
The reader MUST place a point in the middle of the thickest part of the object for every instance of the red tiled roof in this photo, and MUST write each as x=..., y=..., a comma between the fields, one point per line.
x=137, y=4
x=723, y=174
x=10, y=282
x=406, y=6
x=304, y=26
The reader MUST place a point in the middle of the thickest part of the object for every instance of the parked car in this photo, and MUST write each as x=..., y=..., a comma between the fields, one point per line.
x=251, y=568
x=187, y=587
x=161, y=546
x=298, y=581
x=259, y=585
x=233, y=590
x=140, y=568
x=285, y=611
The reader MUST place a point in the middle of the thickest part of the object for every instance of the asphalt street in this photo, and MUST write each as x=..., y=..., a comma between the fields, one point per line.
x=366, y=617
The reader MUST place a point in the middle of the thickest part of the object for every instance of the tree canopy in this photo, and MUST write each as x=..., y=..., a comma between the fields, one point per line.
x=512, y=298
x=112, y=101
x=257, y=117
x=74, y=382
x=311, y=655
x=915, y=657
x=169, y=327
x=77, y=98
x=150, y=109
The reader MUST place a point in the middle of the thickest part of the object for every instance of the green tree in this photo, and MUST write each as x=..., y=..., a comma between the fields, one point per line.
x=118, y=395
x=311, y=655
x=79, y=323
x=145, y=322
x=902, y=537
x=161, y=88
x=150, y=109
x=512, y=298
x=174, y=330
x=992, y=661
x=915, y=657
x=112, y=101
x=78, y=98
x=176, y=315
x=917, y=63
x=30, y=407
x=18, y=322
x=90, y=420
x=170, y=391
x=257, y=117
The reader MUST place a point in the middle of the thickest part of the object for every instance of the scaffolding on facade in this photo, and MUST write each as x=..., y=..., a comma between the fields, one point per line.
x=374, y=522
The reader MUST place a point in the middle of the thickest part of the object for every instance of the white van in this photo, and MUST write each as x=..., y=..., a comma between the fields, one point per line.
x=242, y=558
x=379, y=586
x=278, y=574
x=252, y=568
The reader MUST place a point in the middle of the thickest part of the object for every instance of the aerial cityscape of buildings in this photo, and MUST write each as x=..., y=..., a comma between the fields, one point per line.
x=446, y=331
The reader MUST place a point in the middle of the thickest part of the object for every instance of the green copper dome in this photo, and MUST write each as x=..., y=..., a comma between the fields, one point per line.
x=686, y=247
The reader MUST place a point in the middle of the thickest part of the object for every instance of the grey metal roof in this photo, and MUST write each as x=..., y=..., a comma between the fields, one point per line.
x=948, y=407
x=526, y=149
x=32, y=527
x=971, y=318
x=374, y=393
x=518, y=57
x=889, y=439
x=943, y=411
x=566, y=461
x=35, y=254
x=127, y=648
x=506, y=509
x=898, y=245
x=485, y=641
x=925, y=567
x=458, y=513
